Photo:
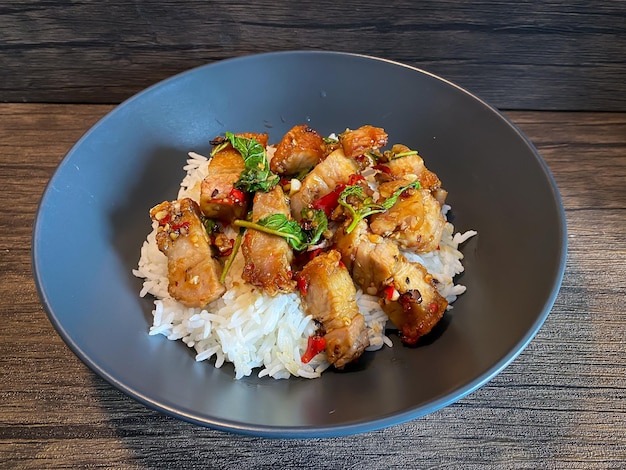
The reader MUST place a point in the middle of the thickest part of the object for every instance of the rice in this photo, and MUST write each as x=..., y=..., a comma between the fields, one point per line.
x=259, y=333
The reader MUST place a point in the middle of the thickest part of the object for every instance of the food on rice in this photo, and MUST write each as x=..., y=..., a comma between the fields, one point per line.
x=192, y=271
x=293, y=258
x=329, y=296
x=268, y=258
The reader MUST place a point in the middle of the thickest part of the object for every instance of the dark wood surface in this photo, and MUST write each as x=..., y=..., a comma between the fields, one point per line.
x=560, y=404
x=556, y=55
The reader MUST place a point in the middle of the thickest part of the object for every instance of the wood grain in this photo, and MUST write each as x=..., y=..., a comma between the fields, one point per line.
x=560, y=404
x=557, y=55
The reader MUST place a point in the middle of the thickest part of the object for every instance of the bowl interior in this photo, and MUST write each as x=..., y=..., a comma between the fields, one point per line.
x=93, y=219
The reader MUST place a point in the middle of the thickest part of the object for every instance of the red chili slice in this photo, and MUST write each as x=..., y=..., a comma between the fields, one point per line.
x=165, y=219
x=302, y=285
x=330, y=201
x=389, y=292
x=236, y=195
x=184, y=225
x=354, y=179
x=314, y=253
x=316, y=344
x=382, y=168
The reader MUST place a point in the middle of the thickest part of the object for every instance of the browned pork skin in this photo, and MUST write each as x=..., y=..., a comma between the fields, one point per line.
x=418, y=306
x=268, y=257
x=300, y=149
x=219, y=199
x=322, y=179
x=410, y=165
x=330, y=298
x=407, y=292
x=364, y=139
x=415, y=221
x=192, y=272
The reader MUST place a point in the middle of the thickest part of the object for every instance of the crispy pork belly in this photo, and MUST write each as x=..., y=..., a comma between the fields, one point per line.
x=414, y=305
x=322, y=180
x=330, y=298
x=409, y=166
x=363, y=253
x=193, y=273
x=364, y=139
x=358, y=252
x=300, y=149
x=219, y=199
x=415, y=221
x=268, y=257
x=407, y=292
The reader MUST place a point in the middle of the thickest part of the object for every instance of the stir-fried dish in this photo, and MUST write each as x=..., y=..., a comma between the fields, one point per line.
x=323, y=217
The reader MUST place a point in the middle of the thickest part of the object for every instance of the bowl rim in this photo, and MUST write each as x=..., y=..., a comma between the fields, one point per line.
x=273, y=431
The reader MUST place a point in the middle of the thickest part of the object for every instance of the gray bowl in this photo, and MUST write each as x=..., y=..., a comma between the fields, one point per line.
x=93, y=218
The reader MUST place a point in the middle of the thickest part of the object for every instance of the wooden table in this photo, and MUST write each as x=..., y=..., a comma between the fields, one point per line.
x=561, y=404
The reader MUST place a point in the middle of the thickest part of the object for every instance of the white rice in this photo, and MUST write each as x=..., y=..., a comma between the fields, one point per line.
x=259, y=333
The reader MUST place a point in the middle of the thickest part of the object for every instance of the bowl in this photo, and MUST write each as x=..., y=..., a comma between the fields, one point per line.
x=93, y=218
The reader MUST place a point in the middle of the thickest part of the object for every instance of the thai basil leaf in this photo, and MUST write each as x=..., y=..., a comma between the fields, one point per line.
x=366, y=205
x=280, y=225
x=257, y=175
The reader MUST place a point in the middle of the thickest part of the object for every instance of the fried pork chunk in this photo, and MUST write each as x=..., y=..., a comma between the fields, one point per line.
x=219, y=199
x=192, y=272
x=268, y=257
x=414, y=305
x=410, y=165
x=330, y=298
x=415, y=221
x=408, y=293
x=364, y=139
x=322, y=180
x=300, y=149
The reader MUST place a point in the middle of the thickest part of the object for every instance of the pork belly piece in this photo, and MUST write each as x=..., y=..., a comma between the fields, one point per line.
x=371, y=259
x=322, y=180
x=415, y=221
x=414, y=305
x=219, y=199
x=410, y=166
x=300, y=149
x=408, y=293
x=357, y=250
x=192, y=272
x=330, y=298
x=268, y=257
x=364, y=139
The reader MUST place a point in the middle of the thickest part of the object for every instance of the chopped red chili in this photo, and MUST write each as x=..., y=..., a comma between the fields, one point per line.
x=316, y=344
x=314, y=253
x=361, y=158
x=354, y=179
x=330, y=201
x=389, y=292
x=184, y=225
x=302, y=284
x=382, y=168
x=165, y=219
x=236, y=195
x=228, y=249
